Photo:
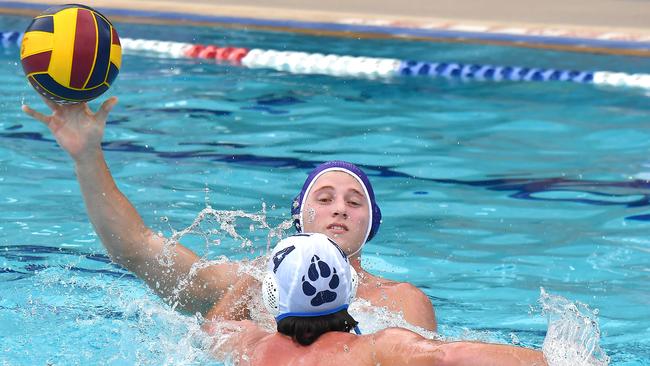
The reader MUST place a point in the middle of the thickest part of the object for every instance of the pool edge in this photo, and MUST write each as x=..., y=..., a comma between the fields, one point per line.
x=577, y=39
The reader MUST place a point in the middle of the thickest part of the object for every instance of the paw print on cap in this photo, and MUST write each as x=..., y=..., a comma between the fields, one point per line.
x=319, y=269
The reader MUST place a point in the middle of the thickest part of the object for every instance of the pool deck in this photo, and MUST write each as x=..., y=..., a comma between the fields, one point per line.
x=623, y=21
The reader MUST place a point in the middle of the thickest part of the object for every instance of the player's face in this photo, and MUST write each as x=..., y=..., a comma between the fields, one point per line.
x=337, y=206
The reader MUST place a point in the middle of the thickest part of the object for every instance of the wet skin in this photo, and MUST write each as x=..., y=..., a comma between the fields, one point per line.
x=337, y=206
x=249, y=345
x=132, y=244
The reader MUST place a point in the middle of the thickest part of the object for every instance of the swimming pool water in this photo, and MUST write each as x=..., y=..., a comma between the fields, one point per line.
x=489, y=191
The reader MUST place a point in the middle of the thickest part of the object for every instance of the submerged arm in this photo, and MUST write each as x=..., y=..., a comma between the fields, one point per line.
x=122, y=231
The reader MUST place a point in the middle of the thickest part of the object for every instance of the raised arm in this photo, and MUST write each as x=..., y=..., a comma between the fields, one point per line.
x=122, y=231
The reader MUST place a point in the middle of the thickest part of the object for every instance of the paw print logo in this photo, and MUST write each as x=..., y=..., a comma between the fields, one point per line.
x=319, y=270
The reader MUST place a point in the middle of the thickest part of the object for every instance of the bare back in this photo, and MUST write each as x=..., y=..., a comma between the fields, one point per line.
x=252, y=346
x=249, y=345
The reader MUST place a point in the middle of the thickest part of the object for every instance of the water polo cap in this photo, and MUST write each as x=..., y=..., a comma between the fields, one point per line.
x=359, y=175
x=308, y=275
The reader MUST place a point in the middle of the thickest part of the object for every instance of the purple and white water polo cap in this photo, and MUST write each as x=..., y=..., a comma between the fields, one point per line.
x=354, y=171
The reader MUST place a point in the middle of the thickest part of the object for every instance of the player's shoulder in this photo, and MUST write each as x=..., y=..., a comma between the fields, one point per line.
x=396, y=335
x=406, y=291
x=396, y=346
x=395, y=286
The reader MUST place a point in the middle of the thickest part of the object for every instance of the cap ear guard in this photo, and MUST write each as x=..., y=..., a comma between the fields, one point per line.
x=270, y=294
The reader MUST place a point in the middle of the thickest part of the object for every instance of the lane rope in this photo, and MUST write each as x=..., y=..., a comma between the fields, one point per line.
x=365, y=67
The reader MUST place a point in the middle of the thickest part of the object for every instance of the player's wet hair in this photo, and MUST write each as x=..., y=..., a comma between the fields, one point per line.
x=306, y=330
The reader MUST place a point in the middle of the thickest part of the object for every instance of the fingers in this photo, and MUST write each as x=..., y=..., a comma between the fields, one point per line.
x=101, y=114
x=36, y=115
x=106, y=108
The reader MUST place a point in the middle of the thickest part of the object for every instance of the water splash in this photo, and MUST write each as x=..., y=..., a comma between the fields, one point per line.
x=85, y=311
x=373, y=319
x=209, y=225
x=573, y=335
x=162, y=336
x=226, y=221
x=572, y=338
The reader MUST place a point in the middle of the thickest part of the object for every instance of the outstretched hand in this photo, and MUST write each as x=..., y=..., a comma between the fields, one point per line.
x=75, y=127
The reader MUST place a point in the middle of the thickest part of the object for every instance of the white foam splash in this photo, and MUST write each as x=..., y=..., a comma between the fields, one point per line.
x=573, y=335
x=209, y=224
x=373, y=319
x=572, y=338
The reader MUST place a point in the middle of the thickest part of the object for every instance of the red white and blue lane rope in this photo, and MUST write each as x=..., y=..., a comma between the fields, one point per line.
x=366, y=67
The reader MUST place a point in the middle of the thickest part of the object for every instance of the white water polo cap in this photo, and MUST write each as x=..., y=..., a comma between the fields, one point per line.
x=308, y=276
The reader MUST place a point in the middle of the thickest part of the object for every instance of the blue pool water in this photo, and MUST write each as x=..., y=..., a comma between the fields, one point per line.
x=490, y=192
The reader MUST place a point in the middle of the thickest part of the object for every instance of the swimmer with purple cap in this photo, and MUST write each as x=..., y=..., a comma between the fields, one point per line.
x=308, y=287
x=337, y=200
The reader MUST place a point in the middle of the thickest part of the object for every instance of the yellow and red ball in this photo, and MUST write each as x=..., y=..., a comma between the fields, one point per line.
x=71, y=53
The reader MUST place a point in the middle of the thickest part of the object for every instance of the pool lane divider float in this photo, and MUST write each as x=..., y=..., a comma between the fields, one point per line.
x=366, y=67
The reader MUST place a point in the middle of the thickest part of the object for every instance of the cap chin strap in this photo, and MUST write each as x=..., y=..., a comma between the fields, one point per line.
x=356, y=251
x=354, y=279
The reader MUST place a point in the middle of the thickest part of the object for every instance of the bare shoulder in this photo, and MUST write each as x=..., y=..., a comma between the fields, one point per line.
x=402, y=297
x=235, y=334
x=220, y=326
x=395, y=336
x=415, y=298
x=235, y=303
x=391, y=340
x=417, y=307
x=405, y=288
x=399, y=346
x=395, y=289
